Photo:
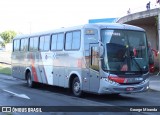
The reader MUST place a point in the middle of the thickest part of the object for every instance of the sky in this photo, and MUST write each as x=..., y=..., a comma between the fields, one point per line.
x=29, y=16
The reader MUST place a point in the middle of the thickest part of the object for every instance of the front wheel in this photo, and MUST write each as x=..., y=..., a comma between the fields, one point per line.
x=76, y=89
x=30, y=83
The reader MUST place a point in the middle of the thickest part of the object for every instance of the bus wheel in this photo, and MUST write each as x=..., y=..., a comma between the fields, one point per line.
x=76, y=87
x=30, y=83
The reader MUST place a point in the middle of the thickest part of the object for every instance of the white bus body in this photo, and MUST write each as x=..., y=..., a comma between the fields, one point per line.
x=84, y=58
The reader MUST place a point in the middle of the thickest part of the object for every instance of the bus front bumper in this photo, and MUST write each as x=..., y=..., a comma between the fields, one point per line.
x=113, y=87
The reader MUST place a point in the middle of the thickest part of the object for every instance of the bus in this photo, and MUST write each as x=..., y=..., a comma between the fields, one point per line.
x=104, y=58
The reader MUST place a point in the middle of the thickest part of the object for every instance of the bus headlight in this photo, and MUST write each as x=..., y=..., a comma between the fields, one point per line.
x=109, y=81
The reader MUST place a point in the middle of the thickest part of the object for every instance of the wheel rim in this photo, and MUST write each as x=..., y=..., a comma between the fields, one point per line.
x=77, y=87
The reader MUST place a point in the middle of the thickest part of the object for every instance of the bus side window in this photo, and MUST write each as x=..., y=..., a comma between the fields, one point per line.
x=16, y=45
x=26, y=44
x=94, y=58
x=68, y=42
x=41, y=43
x=60, y=41
x=44, y=43
x=33, y=44
x=73, y=40
x=76, y=41
x=57, y=41
x=22, y=45
x=54, y=42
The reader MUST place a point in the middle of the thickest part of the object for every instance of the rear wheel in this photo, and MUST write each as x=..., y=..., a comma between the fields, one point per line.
x=30, y=83
x=76, y=89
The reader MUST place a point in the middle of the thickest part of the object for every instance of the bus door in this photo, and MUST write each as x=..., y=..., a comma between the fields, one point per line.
x=94, y=67
x=47, y=68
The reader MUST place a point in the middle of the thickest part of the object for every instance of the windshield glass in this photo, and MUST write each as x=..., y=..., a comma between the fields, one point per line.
x=124, y=50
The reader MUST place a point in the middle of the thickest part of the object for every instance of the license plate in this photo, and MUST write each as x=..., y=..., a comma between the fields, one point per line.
x=129, y=88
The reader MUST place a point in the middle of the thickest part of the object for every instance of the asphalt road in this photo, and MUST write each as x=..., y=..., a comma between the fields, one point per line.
x=14, y=92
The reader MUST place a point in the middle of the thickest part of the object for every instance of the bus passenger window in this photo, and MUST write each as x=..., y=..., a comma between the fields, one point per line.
x=33, y=44
x=41, y=43
x=60, y=41
x=54, y=42
x=73, y=40
x=22, y=45
x=44, y=43
x=68, y=42
x=76, y=40
x=26, y=44
x=16, y=45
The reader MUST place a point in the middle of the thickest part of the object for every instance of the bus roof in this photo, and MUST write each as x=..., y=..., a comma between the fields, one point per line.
x=95, y=25
x=115, y=26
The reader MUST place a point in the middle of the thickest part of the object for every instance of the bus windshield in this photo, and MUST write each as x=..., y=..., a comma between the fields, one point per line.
x=125, y=50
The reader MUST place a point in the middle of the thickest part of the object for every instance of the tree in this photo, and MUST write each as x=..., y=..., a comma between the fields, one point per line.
x=7, y=36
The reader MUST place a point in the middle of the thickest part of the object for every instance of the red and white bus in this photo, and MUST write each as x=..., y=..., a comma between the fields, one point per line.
x=97, y=58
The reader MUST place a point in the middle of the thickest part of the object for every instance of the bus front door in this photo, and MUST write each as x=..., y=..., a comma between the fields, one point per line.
x=94, y=68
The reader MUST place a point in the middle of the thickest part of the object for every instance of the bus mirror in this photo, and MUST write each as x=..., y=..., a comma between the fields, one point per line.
x=101, y=51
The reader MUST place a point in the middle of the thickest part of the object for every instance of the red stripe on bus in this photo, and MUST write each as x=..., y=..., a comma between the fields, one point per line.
x=33, y=69
x=117, y=79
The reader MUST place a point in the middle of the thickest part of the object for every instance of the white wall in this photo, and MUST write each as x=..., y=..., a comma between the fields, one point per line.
x=8, y=47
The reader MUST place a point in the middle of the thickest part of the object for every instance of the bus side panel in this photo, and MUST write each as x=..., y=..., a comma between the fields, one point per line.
x=47, y=75
x=85, y=79
x=17, y=66
x=22, y=64
x=66, y=78
x=41, y=73
x=61, y=76
x=55, y=76
x=33, y=63
x=46, y=67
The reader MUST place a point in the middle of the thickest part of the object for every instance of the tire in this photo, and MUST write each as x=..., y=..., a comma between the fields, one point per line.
x=76, y=89
x=30, y=83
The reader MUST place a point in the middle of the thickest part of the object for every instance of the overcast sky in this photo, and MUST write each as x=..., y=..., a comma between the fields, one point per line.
x=27, y=16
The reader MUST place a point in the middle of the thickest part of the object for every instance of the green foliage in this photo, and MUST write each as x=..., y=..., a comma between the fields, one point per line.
x=5, y=70
x=2, y=44
x=7, y=36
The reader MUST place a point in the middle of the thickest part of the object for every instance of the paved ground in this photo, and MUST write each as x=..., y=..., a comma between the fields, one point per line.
x=14, y=92
x=155, y=82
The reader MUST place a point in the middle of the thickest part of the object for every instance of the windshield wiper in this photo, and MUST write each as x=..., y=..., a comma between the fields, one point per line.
x=133, y=58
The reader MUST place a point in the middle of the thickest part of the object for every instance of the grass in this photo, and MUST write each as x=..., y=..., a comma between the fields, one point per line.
x=5, y=69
